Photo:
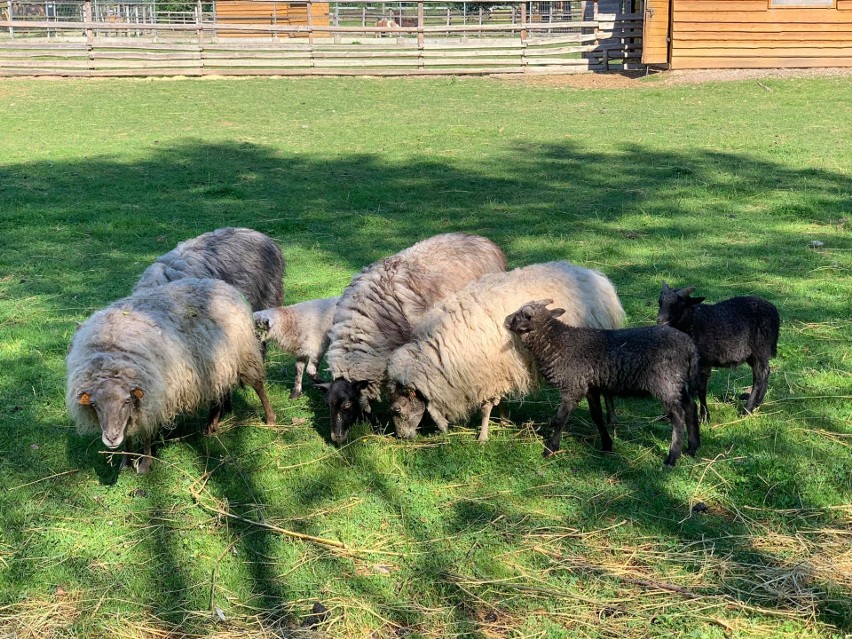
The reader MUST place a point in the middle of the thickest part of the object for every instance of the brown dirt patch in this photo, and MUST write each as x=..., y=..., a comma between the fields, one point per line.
x=637, y=79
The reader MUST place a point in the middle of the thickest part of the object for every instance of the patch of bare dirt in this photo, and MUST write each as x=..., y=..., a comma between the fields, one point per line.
x=636, y=79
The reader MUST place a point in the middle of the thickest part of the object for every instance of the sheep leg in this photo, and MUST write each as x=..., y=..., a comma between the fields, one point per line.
x=504, y=413
x=760, y=380
x=487, y=406
x=704, y=379
x=267, y=407
x=297, y=385
x=565, y=408
x=143, y=465
x=675, y=414
x=693, y=434
x=594, y=399
x=215, y=414
x=311, y=370
x=610, y=408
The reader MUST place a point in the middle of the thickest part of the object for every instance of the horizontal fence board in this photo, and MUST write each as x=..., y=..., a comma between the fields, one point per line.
x=754, y=27
x=783, y=36
x=771, y=16
x=760, y=44
x=815, y=52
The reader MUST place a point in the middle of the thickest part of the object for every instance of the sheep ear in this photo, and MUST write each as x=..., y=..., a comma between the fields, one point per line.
x=546, y=302
x=685, y=292
x=361, y=384
x=85, y=399
x=696, y=300
x=138, y=393
x=557, y=312
x=666, y=288
x=323, y=386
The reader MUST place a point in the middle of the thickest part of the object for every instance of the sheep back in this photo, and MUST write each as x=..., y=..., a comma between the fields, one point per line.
x=461, y=354
x=186, y=343
x=729, y=332
x=377, y=310
x=247, y=259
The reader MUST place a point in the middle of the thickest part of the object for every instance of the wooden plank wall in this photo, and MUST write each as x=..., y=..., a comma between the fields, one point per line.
x=268, y=13
x=748, y=34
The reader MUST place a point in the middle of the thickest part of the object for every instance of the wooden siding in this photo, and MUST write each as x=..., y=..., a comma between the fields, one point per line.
x=242, y=12
x=748, y=34
x=656, y=32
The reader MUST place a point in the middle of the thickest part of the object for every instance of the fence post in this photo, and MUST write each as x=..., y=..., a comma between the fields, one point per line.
x=87, y=18
x=421, y=38
x=11, y=5
x=199, y=27
x=524, y=35
x=310, y=21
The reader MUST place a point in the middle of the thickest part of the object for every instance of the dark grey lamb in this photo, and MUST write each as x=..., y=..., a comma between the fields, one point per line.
x=246, y=259
x=727, y=334
x=655, y=360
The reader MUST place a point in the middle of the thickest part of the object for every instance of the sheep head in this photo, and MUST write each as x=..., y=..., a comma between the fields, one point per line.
x=407, y=407
x=677, y=307
x=114, y=404
x=530, y=316
x=344, y=404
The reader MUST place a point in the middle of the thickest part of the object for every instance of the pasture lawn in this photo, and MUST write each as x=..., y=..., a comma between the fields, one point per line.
x=720, y=186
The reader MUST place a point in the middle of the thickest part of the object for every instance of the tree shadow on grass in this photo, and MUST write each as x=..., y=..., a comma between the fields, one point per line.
x=639, y=215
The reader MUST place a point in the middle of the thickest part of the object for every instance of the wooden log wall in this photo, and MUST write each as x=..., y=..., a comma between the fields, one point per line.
x=749, y=34
x=91, y=48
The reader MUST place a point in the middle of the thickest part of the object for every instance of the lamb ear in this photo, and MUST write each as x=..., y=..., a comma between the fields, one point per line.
x=85, y=399
x=138, y=393
x=546, y=302
x=685, y=292
x=361, y=384
x=666, y=288
x=323, y=386
x=696, y=300
x=557, y=312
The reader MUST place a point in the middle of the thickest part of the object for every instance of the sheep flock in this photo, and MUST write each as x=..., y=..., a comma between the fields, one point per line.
x=440, y=329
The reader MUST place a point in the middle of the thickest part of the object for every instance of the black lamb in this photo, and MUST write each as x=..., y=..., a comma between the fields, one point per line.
x=655, y=360
x=727, y=334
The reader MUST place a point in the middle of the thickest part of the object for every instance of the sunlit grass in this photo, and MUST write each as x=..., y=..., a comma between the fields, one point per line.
x=720, y=186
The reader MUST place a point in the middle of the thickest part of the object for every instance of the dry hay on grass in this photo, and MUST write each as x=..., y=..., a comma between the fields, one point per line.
x=40, y=618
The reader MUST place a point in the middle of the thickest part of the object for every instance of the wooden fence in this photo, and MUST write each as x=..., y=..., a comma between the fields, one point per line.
x=206, y=46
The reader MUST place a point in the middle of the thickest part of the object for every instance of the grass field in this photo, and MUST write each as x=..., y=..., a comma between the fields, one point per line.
x=719, y=186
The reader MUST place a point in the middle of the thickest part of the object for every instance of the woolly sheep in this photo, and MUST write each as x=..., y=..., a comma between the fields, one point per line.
x=138, y=363
x=378, y=309
x=300, y=330
x=244, y=258
x=462, y=357
x=584, y=362
x=727, y=334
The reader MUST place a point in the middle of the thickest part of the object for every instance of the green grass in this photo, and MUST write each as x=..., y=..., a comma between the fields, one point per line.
x=720, y=186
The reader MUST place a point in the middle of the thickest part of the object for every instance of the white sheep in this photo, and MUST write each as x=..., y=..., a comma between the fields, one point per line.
x=461, y=357
x=377, y=311
x=138, y=363
x=300, y=330
x=247, y=259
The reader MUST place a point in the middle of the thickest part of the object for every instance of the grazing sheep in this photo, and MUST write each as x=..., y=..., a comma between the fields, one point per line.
x=300, y=330
x=728, y=333
x=138, y=363
x=461, y=357
x=655, y=360
x=248, y=260
x=377, y=311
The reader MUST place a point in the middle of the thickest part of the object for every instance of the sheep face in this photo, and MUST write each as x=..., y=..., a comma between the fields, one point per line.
x=407, y=406
x=677, y=307
x=530, y=316
x=344, y=403
x=114, y=404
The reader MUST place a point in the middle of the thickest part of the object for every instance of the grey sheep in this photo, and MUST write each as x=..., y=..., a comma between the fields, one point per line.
x=247, y=259
x=137, y=364
x=655, y=360
x=300, y=330
x=727, y=334
x=377, y=311
x=462, y=358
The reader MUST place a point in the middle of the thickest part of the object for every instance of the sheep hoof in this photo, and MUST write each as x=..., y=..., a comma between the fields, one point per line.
x=549, y=453
x=670, y=463
x=143, y=466
x=691, y=451
x=295, y=394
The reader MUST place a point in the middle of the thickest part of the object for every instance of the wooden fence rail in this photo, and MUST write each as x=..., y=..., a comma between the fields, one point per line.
x=91, y=47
